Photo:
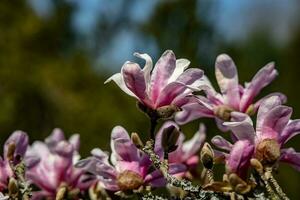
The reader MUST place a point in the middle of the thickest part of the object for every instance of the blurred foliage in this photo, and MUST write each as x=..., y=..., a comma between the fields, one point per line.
x=47, y=80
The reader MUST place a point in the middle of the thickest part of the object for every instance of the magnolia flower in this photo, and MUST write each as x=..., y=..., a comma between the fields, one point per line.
x=14, y=149
x=186, y=152
x=55, y=169
x=233, y=97
x=273, y=129
x=168, y=84
x=128, y=168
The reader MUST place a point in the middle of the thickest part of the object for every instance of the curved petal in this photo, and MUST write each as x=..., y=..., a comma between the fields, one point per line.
x=118, y=79
x=282, y=97
x=134, y=79
x=161, y=73
x=147, y=68
x=263, y=78
x=75, y=141
x=291, y=130
x=274, y=122
x=192, y=146
x=191, y=112
x=122, y=146
x=265, y=107
x=227, y=78
x=239, y=158
x=291, y=157
x=221, y=143
x=181, y=65
x=241, y=126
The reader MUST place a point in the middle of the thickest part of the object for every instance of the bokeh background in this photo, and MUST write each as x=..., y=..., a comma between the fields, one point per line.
x=56, y=54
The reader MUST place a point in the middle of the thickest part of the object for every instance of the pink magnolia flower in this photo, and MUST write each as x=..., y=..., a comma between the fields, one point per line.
x=273, y=129
x=187, y=151
x=169, y=83
x=128, y=168
x=55, y=168
x=233, y=97
x=20, y=140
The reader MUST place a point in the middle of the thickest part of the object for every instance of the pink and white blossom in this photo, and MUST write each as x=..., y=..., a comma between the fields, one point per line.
x=169, y=82
x=55, y=167
x=127, y=168
x=233, y=96
x=265, y=142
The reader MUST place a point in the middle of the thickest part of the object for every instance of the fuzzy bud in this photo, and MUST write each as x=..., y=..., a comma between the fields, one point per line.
x=13, y=187
x=11, y=151
x=60, y=195
x=207, y=156
x=166, y=112
x=136, y=140
x=267, y=151
x=129, y=180
x=223, y=112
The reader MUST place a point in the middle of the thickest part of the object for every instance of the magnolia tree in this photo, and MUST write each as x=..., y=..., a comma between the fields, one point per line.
x=138, y=169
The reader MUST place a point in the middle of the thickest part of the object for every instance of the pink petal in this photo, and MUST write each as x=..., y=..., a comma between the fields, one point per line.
x=265, y=107
x=291, y=157
x=263, y=77
x=291, y=130
x=134, y=79
x=191, y=112
x=227, y=78
x=241, y=126
x=274, y=122
x=192, y=146
x=221, y=143
x=147, y=68
x=239, y=157
x=162, y=71
x=122, y=146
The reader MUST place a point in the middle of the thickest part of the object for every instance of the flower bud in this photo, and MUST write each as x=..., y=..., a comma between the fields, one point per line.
x=207, y=156
x=250, y=110
x=268, y=151
x=129, y=180
x=169, y=138
x=223, y=112
x=11, y=151
x=60, y=195
x=136, y=140
x=165, y=112
x=13, y=188
x=235, y=180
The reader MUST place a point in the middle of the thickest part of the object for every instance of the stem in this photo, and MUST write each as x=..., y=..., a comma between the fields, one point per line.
x=153, y=124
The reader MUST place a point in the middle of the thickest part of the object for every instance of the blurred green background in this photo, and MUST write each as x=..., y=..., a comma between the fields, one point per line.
x=56, y=54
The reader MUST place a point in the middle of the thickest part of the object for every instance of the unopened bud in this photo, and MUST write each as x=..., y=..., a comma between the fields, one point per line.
x=268, y=151
x=11, y=151
x=169, y=138
x=165, y=112
x=129, y=180
x=250, y=110
x=13, y=187
x=223, y=112
x=135, y=138
x=60, y=195
x=207, y=156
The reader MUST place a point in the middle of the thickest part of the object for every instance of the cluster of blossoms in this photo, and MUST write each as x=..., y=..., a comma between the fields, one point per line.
x=166, y=93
